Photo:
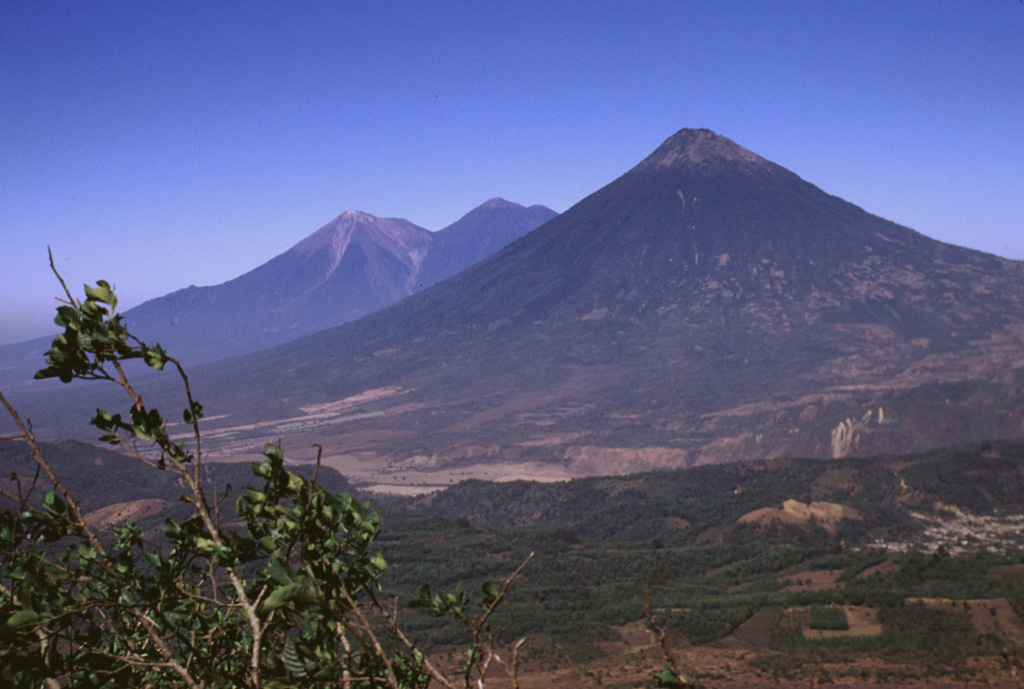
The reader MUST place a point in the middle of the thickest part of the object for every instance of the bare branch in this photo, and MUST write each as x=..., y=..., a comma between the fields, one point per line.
x=658, y=634
x=41, y=461
x=71, y=299
x=504, y=590
x=427, y=665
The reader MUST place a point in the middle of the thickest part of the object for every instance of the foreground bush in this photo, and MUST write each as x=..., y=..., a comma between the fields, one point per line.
x=284, y=592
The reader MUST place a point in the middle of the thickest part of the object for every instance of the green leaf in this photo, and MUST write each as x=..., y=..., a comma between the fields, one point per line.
x=53, y=505
x=225, y=555
x=156, y=357
x=279, y=572
x=146, y=424
x=669, y=680
x=67, y=317
x=272, y=451
x=102, y=292
x=155, y=561
x=423, y=599
x=205, y=544
x=171, y=528
x=295, y=483
x=490, y=594
x=22, y=618
x=283, y=595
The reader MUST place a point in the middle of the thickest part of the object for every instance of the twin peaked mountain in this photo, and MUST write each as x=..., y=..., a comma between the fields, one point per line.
x=352, y=266
x=706, y=306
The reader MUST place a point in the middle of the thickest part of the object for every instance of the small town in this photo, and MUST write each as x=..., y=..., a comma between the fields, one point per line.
x=957, y=532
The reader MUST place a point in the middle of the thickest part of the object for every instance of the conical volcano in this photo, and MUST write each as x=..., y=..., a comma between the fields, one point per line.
x=706, y=306
x=700, y=221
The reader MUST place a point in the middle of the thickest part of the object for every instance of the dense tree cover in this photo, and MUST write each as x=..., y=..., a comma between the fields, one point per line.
x=578, y=594
x=680, y=506
x=828, y=617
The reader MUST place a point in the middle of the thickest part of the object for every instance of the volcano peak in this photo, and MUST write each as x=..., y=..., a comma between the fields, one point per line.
x=353, y=216
x=498, y=202
x=697, y=146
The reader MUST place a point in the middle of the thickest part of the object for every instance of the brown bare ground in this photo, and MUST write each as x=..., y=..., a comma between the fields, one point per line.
x=339, y=406
x=1004, y=572
x=510, y=408
x=863, y=621
x=732, y=668
x=376, y=474
x=989, y=616
x=826, y=514
x=880, y=568
x=812, y=580
x=121, y=512
x=590, y=460
x=757, y=631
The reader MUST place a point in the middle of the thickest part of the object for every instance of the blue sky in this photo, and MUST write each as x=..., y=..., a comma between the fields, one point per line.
x=163, y=144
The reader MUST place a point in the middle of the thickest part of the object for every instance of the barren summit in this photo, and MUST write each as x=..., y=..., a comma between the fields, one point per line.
x=698, y=146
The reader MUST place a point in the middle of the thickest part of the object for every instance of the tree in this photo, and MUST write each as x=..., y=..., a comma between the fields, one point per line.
x=284, y=594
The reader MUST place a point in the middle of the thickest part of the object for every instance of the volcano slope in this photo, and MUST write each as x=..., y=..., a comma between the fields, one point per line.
x=706, y=306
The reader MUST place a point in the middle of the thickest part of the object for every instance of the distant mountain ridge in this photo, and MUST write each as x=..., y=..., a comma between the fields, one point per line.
x=352, y=266
x=464, y=243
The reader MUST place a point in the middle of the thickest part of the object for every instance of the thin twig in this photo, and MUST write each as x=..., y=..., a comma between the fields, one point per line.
x=71, y=300
x=657, y=632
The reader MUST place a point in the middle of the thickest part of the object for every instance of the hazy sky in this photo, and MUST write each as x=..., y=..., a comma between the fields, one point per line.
x=162, y=144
